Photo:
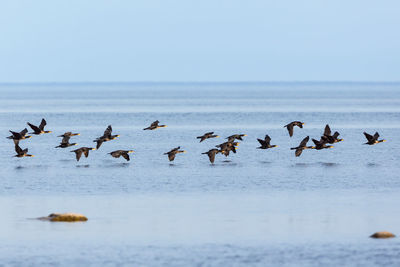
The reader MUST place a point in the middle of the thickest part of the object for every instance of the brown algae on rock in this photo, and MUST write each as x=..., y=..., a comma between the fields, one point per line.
x=64, y=217
x=383, y=234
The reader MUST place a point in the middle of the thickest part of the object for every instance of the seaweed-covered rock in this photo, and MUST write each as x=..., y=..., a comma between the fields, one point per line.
x=382, y=234
x=64, y=217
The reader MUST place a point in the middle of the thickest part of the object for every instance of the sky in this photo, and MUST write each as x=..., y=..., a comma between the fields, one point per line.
x=198, y=41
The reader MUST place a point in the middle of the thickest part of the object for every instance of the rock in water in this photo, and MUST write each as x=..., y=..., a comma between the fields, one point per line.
x=64, y=217
x=383, y=234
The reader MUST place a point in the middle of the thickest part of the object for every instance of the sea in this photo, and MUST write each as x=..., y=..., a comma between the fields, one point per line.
x=253, y=208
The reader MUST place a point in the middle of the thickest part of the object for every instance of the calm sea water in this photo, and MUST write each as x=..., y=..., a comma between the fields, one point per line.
x=255, y=207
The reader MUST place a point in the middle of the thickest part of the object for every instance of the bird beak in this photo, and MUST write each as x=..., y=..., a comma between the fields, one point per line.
x=32, y=155
x=331, y=146
x=93, y=148
x=118, y=135
x=245, y=135
x=184, y=151
x=50, y=131
x=303, y=123
x=78, y=134
x=383, y=140
x=218, y=136
x=131, y=151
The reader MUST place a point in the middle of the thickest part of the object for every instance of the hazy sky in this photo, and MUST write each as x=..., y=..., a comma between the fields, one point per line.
x=207, y=40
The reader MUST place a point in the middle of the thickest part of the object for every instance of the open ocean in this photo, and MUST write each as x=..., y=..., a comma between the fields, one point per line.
x=256, y=207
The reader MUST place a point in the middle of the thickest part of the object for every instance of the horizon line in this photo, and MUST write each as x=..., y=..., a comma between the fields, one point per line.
x=198, y=82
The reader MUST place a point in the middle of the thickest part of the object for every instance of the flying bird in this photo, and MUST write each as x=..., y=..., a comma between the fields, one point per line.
x=123, y=153
x=211, y=154
x=40, y=129
x=303, y=145
x=291, y=125
x=84, y=150
x=16, y=137
x=234, y=137
x=107, y=136
x=331, y=139
x=21, y=153
x=265, y=144
x=206, y=136
x=171, y=154
x=321, y=144
x=372, y=140
x=155, y=125
x=227, y=147
x=69, y=134
x=65, y=143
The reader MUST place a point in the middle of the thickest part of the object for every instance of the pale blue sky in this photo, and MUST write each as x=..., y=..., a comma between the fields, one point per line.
x=207, y=40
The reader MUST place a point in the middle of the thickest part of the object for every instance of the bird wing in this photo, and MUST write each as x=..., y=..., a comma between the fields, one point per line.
x=86, y=152
x=211, y=156
x=290, y=129
x=78, y=154
x=34, y=128
x=369, y=137
x=18, y=149
x=42, y=124
x=267, y=139
x=99, y=142
x=376, y=136
x=108, y=131
x=335, y=135
x=209, y=133
x=298, y=152
x=23, y=132
x=327, y=131
x=316, y=142
x=171, y=156
x=125, y=156
x=304, y=141
x=262, y=142
x=16, y=135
